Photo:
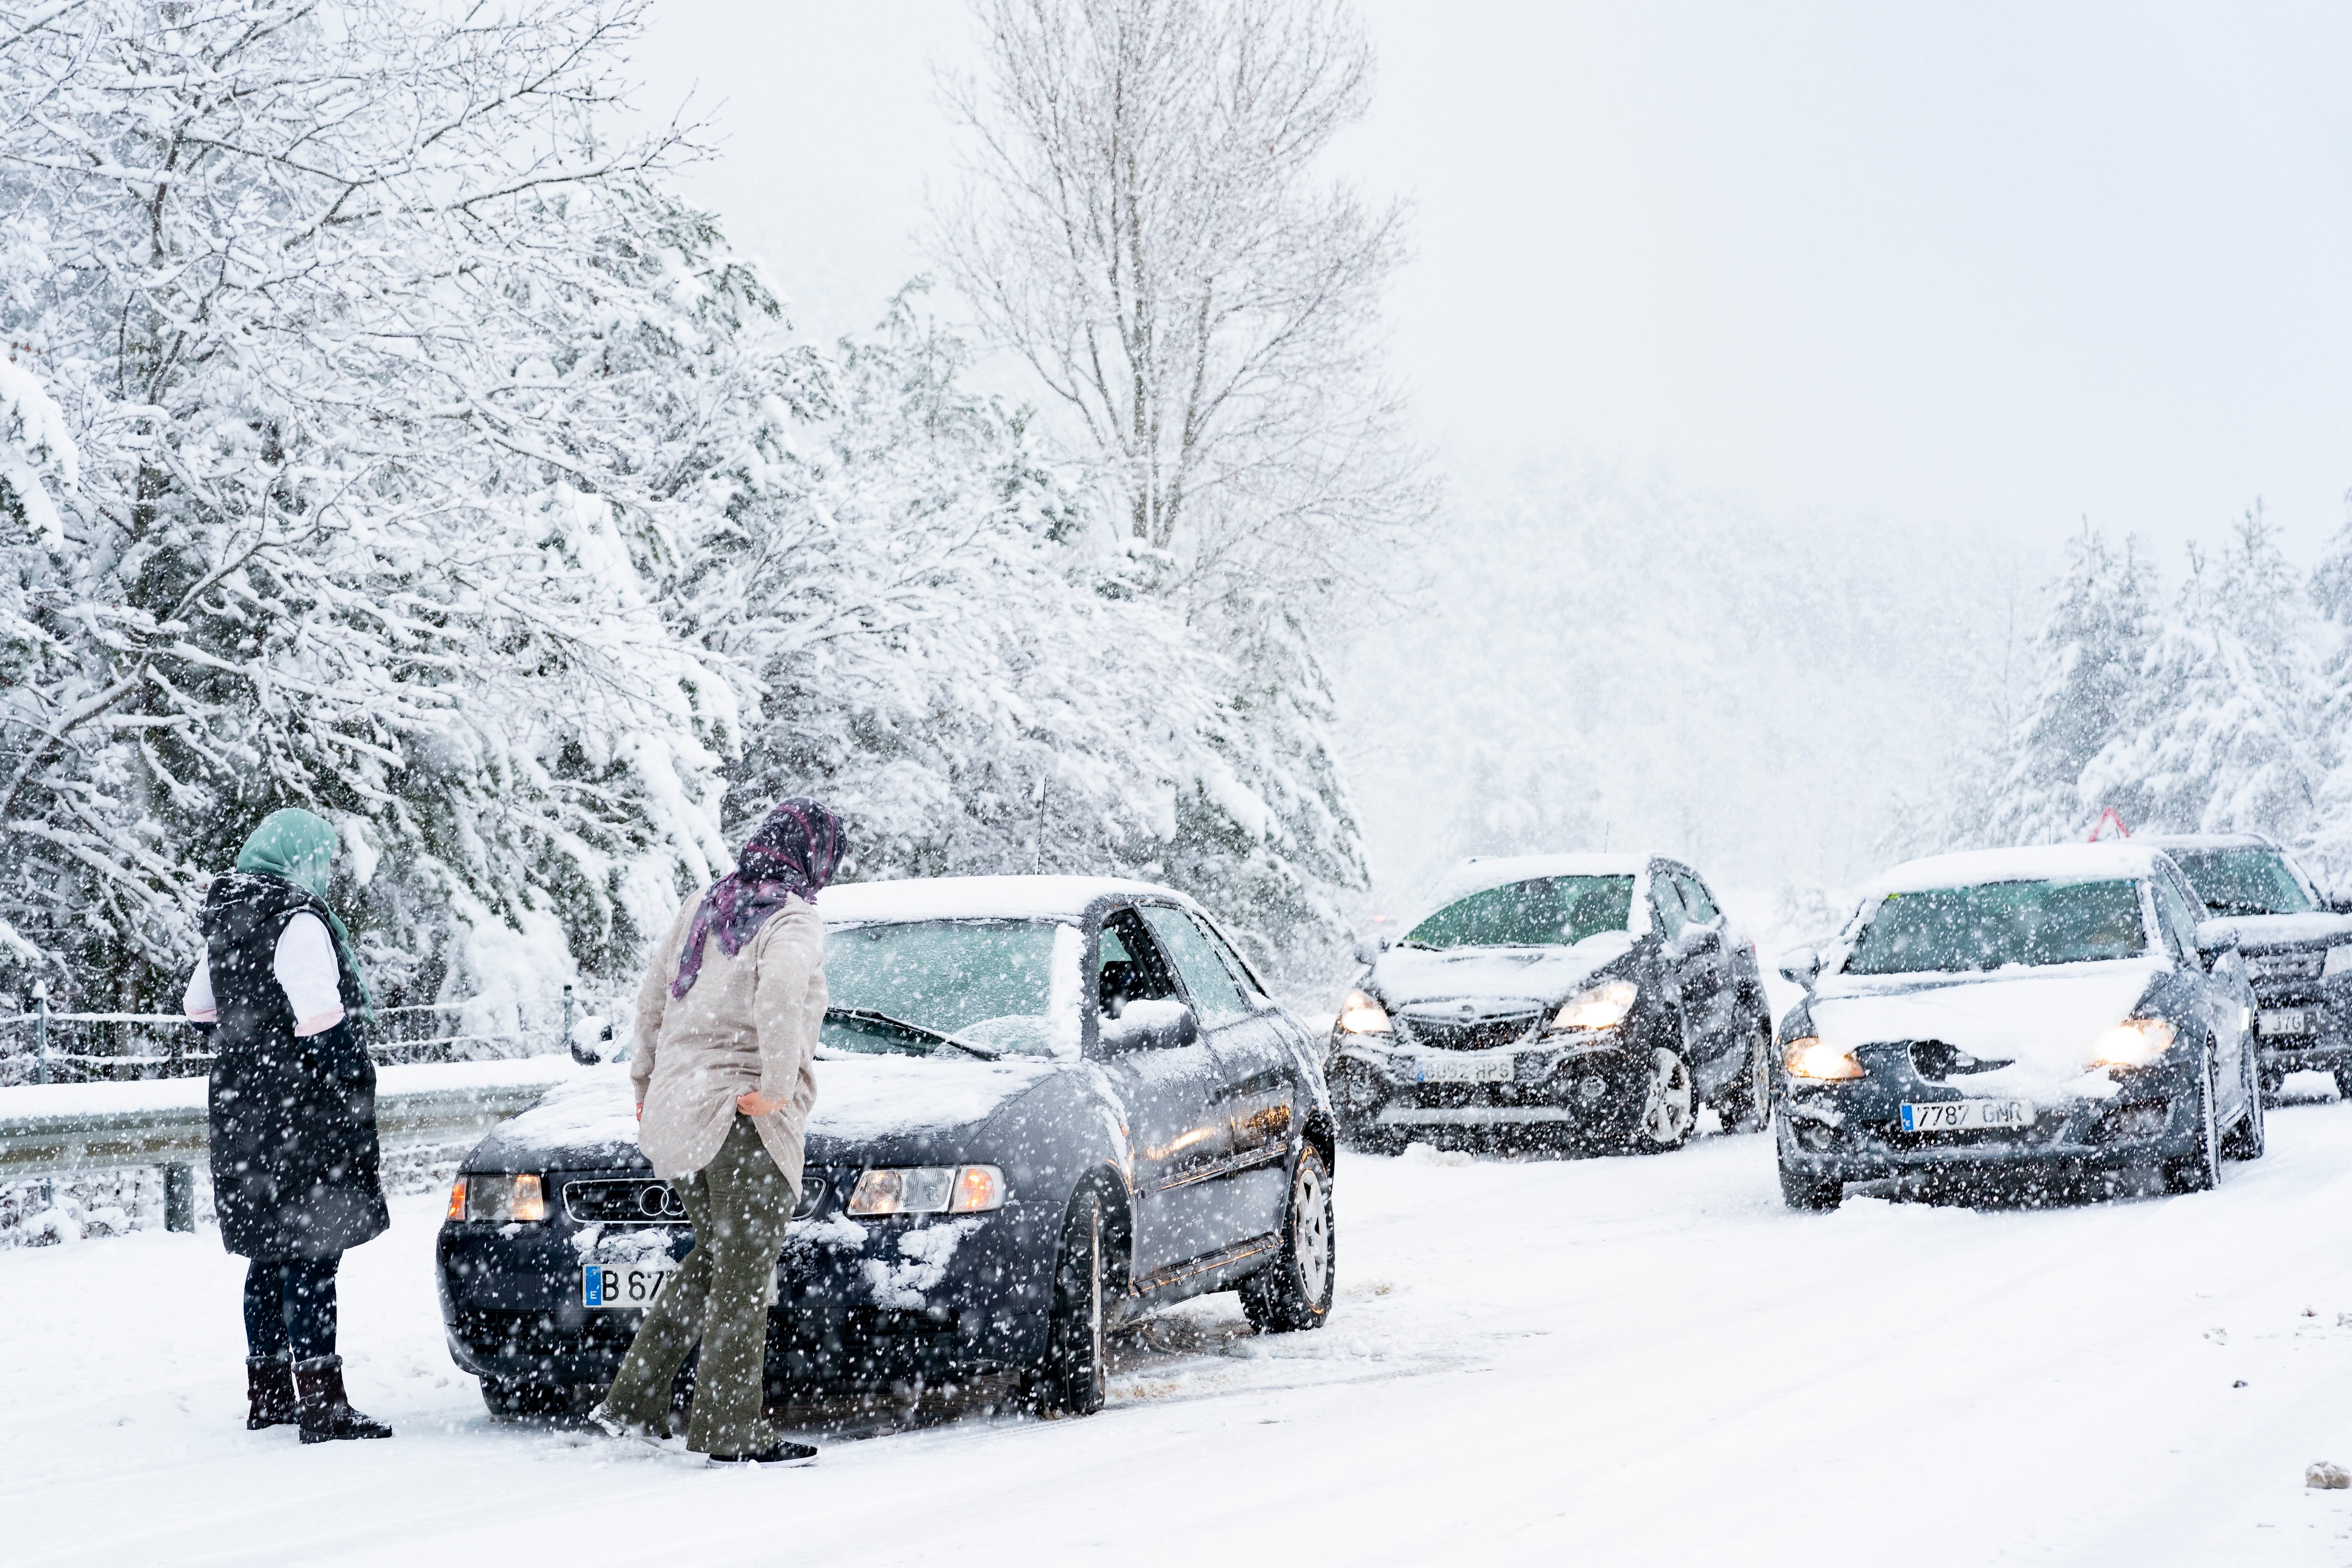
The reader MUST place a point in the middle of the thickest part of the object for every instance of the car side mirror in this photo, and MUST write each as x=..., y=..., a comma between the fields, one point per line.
x=2215, y=937
x=1368, y=949
x=592, y=1044
x=1801, y=967
x=1156, y=1024
x=2336, y=902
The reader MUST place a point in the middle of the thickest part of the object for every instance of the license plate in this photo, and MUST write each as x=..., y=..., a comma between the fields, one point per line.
x=1465, y=1068
x=633, y=1285
x=1967, y=1115
x=2281, y=1020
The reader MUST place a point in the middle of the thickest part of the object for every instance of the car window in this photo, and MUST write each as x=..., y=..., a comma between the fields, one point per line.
x=1541, y=912
x=2252, y=880
x=1241, y=972
x=1216, y=998
x=1130, y=967
x=1672, y=916
x=1696, y=901
x=986, y=981
x=2178, y=919
x=1994, y=925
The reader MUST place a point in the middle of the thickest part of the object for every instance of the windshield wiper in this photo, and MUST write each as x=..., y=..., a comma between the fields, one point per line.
x=2239, y=907
x=869, y=1015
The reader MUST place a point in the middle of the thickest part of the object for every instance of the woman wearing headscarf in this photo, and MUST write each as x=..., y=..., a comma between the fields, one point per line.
x=725, y=1036
x=294, y=1152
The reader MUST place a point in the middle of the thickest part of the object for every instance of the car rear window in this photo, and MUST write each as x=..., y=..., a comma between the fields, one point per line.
x=986, y=981
x=1994, y=925
x=1543, y=912
x=2243, y=882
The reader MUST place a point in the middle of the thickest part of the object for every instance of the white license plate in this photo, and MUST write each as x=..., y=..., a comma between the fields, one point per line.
x=2281, y=1020
x=633, y=1285
x=1465, y=1068
x=1965, y=1115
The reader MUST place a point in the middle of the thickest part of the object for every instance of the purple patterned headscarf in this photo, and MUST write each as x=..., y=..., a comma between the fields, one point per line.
x=795, y=851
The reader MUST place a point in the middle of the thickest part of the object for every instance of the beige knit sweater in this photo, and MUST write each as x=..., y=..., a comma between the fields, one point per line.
x=750, y=1023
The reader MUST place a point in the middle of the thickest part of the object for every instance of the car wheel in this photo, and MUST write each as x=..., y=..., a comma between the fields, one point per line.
x=1076, y=1371
x=1295, y=1290
x=2249, y=1137
x=2201, y=1169
x=1802, y=1190
x=2344, y=1080
x=527, y=1399
x=1748, y=1104
x=1669, y=1105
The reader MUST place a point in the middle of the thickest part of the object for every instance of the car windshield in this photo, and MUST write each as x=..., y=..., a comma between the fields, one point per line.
x=1543, y=912
x=2243, y=882
x=985, y=983
x=1998, y=924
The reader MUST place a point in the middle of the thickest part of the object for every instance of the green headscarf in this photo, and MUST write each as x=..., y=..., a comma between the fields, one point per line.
x=299, y=846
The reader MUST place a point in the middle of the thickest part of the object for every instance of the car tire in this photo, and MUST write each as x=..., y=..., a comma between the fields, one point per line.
x=1669, y=1106
x=2201, y=1169
x=528, y=1400
x=1746, y=1104
x=2343, y=1080
x=1294, y=1292
x=1807, y=1193
x=2251, y=1134
x=1076, y=1375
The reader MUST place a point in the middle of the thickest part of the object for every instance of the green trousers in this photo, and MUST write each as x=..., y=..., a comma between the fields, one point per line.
x=740, y=1204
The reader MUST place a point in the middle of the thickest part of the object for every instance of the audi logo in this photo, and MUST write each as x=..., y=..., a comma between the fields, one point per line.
x=657, y=1202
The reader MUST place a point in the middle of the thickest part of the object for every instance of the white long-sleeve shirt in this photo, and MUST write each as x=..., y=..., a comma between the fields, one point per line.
x=306, y=971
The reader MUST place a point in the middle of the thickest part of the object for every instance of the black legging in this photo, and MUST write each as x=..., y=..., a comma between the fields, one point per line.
x=290, y=1302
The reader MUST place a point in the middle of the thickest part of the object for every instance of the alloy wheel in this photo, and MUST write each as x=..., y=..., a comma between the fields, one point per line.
x=1310, y=1220
x=1669, y=1109
x=1760, y=1083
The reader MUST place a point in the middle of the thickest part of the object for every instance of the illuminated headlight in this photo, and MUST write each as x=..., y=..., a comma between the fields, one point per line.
x=2135, y=1042
x=500, y=1199
x=2339, y=961
x=1808, y=1057
x=1602, y=1007
x=929, y=1189
x=1361, y=1015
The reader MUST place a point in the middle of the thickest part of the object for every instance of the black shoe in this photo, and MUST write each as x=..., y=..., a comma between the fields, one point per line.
x=783, y=1456
x=327, y=1413
x=268, y=1392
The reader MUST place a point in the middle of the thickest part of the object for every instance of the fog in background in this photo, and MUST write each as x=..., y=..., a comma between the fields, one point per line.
x=1768, y=354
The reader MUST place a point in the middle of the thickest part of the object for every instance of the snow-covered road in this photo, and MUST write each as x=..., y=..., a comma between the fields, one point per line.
x=1628, y=1361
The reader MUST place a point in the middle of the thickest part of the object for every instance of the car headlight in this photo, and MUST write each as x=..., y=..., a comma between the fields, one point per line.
x=499, y=1199
x=1602, y=1007
x=1361, y=1015
x=927, y=1189
x=2135, y=1042
x=2339, y=960
x=1808, y=1057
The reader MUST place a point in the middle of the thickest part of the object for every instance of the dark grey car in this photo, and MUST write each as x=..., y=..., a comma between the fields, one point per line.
x=1598, y=998
x=2032, y=1013
x=2297, y=943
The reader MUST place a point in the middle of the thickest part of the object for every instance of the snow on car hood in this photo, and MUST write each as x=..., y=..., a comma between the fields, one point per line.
x=2308, y=929
x=2041, y=1019
x=1408, y=975
x=857, y=1098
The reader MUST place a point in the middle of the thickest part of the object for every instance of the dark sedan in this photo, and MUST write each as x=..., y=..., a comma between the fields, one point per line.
x=1600, y=997
x=2297, y=945
x=2033, y=1014
x=1046, y=1106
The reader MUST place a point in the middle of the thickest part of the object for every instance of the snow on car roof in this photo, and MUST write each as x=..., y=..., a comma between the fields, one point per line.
x=1497, y=871
x=2206, y=841
x=973, y=897
x=2045, y=862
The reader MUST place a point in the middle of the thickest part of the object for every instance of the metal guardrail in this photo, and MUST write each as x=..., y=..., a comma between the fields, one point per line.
x=72, y=1142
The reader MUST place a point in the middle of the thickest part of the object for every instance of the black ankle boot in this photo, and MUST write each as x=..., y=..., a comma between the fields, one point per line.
x=268, y=1392
x=327, y=1413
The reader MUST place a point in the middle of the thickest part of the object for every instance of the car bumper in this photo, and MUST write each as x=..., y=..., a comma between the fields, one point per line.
x=1854, y=1134
x=844, y=1315
x=1593, y=1088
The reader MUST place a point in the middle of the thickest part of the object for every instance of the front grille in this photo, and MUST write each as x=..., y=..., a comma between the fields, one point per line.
x=644, y=1200
x=1939, y=1063
x=1477, y=1034
x=2287, y=966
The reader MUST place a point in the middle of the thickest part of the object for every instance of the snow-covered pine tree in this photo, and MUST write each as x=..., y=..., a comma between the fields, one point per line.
x=2102, y=622
x=2222, y=730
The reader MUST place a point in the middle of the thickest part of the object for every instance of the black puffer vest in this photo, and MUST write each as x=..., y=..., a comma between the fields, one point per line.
x=296, y=1166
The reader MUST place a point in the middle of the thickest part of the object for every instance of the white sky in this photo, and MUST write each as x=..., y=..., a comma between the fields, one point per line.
x=1986, y=266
